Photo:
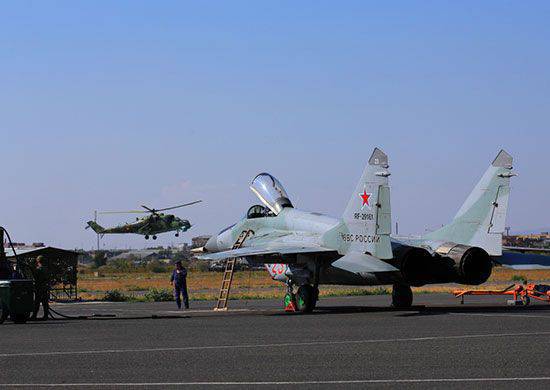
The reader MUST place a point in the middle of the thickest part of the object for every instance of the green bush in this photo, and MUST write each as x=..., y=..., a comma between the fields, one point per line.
x=519, y=278
x=158, y=295
x=99, y=259
x=157, y=267
x=116, y=296
x=201, y=266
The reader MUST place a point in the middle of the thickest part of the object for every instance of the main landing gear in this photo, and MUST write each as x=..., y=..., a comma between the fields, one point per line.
x=177, y=234
x=303, y=301
x=147, y=237
x=401, y=296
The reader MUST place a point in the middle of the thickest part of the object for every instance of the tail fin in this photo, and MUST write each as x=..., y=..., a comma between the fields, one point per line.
x=366, y=224
x=95, y=227
x=481, y=219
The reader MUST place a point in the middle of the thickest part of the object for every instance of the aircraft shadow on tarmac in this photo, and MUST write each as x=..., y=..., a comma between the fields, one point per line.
x=427, y=310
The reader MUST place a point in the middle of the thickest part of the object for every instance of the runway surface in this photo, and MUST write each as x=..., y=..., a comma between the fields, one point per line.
x=349, y=342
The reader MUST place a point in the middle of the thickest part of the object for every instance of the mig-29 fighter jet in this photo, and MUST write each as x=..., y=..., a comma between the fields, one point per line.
x=304, y=249
x=310, y=249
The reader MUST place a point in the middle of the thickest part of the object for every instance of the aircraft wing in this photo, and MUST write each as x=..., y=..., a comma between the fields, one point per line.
x=262, y=250
x=515, y=260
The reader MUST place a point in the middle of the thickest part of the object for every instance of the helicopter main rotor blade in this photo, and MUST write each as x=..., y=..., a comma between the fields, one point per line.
x=181, y=205
x=149, y=210
x=123, y=212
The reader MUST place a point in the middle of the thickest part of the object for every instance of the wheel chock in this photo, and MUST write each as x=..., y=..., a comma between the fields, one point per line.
x=290, y=308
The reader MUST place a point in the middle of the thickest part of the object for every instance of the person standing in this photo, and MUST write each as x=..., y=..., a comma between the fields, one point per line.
x=15, y=274
x=41, y=288
x=179, y=281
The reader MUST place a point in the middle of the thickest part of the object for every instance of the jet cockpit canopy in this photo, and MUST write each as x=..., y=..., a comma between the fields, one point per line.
x=271, y=192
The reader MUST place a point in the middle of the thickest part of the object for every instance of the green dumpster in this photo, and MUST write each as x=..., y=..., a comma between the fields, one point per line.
x=16, y=299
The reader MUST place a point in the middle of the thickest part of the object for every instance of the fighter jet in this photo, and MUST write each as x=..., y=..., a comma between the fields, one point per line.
x=305, y=249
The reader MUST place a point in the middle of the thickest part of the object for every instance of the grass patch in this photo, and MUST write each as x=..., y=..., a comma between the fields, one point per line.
x=117, y=296
x=133, y=287
x=158, y=295
x=257, y=285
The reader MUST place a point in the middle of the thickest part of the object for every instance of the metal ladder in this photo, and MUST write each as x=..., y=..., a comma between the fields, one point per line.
x=223, y=297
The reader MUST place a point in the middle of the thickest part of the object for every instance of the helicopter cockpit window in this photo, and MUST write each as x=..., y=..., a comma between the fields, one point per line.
x=258, y=211
x=271, y=192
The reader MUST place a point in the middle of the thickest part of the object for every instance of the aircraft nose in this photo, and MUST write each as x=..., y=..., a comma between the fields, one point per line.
x=212, y=244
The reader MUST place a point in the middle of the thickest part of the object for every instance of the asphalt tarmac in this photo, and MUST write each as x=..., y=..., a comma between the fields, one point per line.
x=351, y=342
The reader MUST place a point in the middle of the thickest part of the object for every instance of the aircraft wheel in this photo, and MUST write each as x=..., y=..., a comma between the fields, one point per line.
x=177, y=234
x=20, y=318
x=305, y=299
x=146, y=237
x=3, y=314
x=154, y=237
x=401, y=296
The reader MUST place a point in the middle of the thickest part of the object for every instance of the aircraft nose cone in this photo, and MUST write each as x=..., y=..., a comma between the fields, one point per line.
x=212, y=244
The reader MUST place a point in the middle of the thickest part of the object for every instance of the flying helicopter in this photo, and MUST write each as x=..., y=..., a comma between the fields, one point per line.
x=148, y=226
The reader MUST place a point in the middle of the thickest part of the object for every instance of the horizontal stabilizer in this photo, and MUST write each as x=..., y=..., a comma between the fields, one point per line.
x=361, y=263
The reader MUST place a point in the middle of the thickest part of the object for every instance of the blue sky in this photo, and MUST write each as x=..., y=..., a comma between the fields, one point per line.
x=109, y=105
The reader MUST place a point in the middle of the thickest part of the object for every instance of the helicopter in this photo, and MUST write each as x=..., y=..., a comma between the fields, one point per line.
x=148, y=226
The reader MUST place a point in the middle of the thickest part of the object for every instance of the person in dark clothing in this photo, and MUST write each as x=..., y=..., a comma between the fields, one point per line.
x=15, y=273
x=179, y=281
x=41, y=289
x=4, y=269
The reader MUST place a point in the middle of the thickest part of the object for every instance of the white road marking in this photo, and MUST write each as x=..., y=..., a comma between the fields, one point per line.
x=500, y=315
x=275, y=383
x=299, y=344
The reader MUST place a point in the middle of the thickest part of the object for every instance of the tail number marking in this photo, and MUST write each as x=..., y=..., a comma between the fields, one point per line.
x=363, y=216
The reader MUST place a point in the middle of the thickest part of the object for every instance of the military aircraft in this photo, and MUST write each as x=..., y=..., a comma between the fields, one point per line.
x=151, y=225
x=306, y=249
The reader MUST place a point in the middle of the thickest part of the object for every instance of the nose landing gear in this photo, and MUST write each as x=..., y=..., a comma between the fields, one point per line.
x=303, y=301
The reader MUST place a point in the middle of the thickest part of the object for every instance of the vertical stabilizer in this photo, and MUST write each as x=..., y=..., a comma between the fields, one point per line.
x=481, y=219
x=95, y=227
x=366, y=223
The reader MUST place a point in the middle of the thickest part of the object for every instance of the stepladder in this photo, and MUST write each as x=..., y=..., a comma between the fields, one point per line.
x=227, y=280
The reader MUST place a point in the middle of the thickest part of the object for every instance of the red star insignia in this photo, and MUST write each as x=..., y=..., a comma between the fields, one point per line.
x=365, y=198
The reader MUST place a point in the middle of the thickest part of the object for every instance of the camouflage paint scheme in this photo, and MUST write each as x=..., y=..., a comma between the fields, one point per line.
x=148, y=226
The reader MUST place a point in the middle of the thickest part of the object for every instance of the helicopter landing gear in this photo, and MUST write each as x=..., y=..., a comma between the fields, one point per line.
x=154, y=237
x=146, y=237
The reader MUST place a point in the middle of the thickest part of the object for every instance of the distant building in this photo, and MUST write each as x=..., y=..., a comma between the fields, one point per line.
x=199, y=241
x=539, y=236
x=136, y=255
x=535, y=240
x=22, y=245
